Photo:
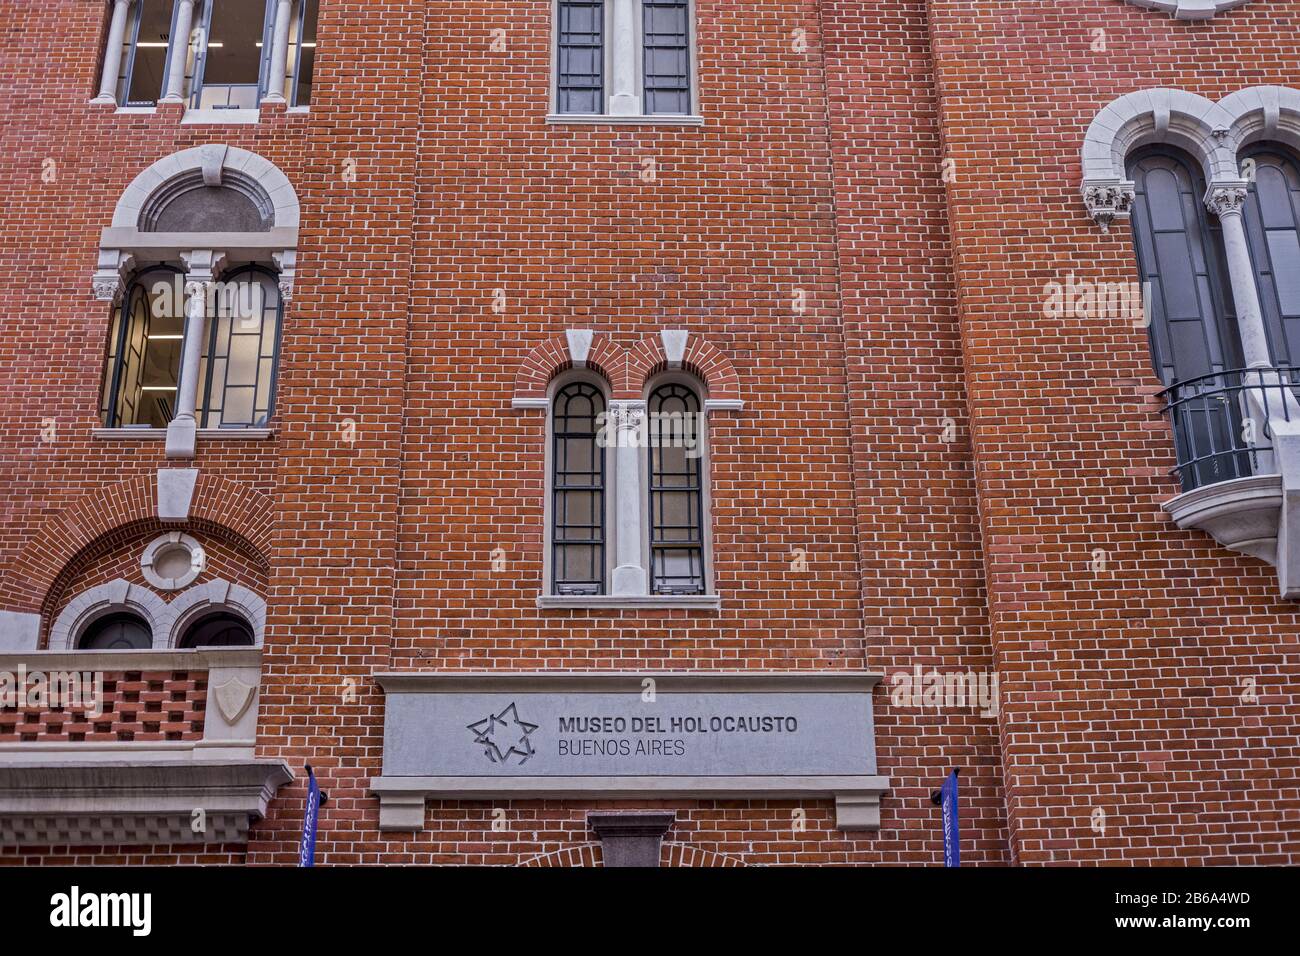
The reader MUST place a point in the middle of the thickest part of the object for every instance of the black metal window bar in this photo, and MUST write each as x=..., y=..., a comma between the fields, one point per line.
x=577, y=491
x=580, y=57
x=667, y=57
x=676, y=492
x=1221, y=422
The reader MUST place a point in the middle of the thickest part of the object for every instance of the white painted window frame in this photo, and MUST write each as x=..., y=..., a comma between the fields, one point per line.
x=553, y=116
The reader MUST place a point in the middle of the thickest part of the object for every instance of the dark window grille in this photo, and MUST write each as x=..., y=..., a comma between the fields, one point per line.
x=667, y=56
x=577, y=491
x=237, y=373
x=580, y=57
x=676, y=488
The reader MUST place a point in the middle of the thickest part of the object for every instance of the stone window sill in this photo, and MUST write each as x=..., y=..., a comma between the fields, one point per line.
x=597, y=119
x=194, y=117
x=692, y=602
x=160, y=434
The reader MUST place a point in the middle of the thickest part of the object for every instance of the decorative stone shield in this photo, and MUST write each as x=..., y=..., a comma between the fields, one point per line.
x=233, y=699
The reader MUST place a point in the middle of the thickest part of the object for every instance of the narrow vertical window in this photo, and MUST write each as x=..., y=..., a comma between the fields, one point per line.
x=1194, y=342
x=580, y=56
x=144, y=54
x=233, y=44
x=144, y=353
x=577, y=491
x=676, y=491
x=1272, y=219
x=238, y=370
x=667, y=56
x=302, y=51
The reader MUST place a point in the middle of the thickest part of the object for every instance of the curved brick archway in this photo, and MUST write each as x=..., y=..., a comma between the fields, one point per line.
x=239, y=509
x=626, y=369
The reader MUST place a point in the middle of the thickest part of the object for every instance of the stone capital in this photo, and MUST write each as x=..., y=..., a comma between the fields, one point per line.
x=1227, y=197
x=1108, y=200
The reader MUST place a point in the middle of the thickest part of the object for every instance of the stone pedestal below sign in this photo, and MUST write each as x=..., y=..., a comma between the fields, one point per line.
x=703, y=735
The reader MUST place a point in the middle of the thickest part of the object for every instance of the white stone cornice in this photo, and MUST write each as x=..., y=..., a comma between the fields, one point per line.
x=1189, y=9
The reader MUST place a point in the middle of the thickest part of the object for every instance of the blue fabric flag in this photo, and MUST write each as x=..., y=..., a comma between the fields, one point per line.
x=951, y=829
x=307, y=849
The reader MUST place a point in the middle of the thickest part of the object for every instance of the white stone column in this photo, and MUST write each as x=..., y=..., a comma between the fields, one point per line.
x=180, y=46
x=275, y=78
x=630, y=574
x=1225, y=199
x=201, y=268
x=623, y=100
x=113, y=52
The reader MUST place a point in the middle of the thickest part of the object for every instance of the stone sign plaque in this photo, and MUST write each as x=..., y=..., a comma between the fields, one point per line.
x=532, y=735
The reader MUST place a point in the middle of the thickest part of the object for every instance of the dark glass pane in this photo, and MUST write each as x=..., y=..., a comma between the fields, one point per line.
x=1273, y=235
x=117, y=632
x=144, y=59
x=577, y=491
x=1180, y=255
x=302, y=52
x=145, y=353
x=676, y=492
x=218, y=630
x=580, y=57
x=666, y=56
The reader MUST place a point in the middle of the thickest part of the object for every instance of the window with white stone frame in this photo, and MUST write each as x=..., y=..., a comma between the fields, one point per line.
x=213, y=55
x=624, y=60
x=627, y=495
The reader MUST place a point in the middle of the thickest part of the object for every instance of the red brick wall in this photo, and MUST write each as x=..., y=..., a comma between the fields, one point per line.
x=943, y=458
x=1125, y=691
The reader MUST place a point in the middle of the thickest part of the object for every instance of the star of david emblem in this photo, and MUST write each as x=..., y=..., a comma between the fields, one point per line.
x=504, y=734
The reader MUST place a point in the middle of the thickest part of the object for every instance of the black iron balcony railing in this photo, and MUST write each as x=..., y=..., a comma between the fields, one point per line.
x=1221, y=422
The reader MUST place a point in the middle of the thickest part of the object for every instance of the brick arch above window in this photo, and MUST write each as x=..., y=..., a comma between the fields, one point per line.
x=243, y=511
x=627, y=370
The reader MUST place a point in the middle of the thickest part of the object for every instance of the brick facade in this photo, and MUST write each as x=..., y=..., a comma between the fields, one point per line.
x=924, y=469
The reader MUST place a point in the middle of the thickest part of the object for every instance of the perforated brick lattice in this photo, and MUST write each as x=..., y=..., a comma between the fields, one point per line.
x=124, y=706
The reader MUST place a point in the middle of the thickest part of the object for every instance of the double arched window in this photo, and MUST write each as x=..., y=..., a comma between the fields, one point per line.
x=593, y=526
x=237, y=368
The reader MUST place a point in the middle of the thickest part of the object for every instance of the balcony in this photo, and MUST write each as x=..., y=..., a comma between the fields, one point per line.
x=131, y=747
x=1237, y=438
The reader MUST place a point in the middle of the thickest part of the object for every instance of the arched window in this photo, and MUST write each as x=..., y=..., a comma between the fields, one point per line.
x=218, y=630
x=238, y=370
x=676, y=491
x=1195, y=345
x=144, y=352
x=116, y=632
x=1272, y=220
x=578, y=497
x=1193, y=325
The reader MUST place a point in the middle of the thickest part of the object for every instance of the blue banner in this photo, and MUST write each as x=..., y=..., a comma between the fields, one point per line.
x=951, y=829
x=307, y=848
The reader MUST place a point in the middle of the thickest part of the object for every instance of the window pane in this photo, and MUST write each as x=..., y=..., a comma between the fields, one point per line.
x=1273, y=234
x=676, y=490
x=239, y=389
x=577, y=492
x=232, y=58
x=302, y=51
x=143, y=362
x=144, y=57
x=666, y=57
x=580, y=57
